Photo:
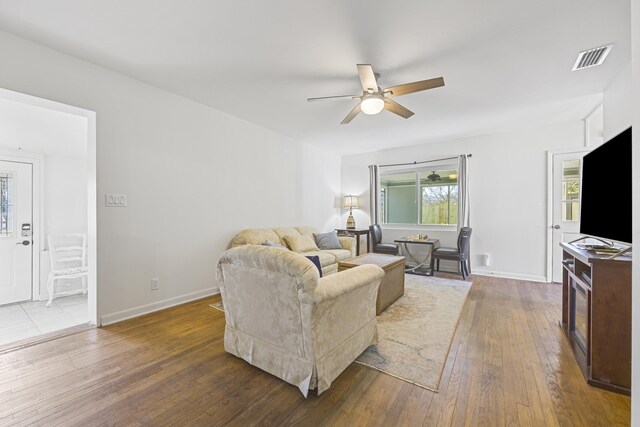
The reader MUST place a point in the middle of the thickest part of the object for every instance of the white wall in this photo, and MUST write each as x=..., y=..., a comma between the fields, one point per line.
x=508, y=192
x=65, y=195
x=635, y=350
x=617, y=104
x=194, y=176
x=319, y=184
x=594, y=125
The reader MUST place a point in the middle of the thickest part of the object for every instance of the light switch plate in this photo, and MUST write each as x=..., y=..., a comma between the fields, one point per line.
x=115, y=200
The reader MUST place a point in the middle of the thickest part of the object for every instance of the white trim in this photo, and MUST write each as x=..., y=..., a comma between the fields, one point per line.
x=549, y=245
x=421, y=227
x=569, y=150
x=508, y=275
x=92, y=220
x=549, y=248
x=130, y=313
x=433, y=165
x=37, y=204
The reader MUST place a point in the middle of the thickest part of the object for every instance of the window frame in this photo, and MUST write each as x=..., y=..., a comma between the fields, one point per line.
x=440, y=165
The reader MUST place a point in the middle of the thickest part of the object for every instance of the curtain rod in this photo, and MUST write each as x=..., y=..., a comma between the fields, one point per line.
x=419, y=163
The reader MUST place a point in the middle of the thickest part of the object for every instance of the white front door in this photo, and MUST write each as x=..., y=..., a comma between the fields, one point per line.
x=16, y=243
x=567, y=169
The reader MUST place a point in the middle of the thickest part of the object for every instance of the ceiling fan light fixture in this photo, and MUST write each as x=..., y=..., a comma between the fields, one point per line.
x=434, y=177
x=372, y=104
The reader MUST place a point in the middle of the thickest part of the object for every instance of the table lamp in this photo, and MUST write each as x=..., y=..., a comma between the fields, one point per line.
x=351, y=202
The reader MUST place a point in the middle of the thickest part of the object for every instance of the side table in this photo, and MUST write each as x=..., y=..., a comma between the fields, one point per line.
x=355, y=232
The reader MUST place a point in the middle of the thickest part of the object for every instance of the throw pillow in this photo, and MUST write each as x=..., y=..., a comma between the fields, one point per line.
x=328, y=240
x=316, y=260
x=273, y=244
x=300, y=244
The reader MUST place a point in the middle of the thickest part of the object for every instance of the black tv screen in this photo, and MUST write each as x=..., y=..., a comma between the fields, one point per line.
x=606, y=190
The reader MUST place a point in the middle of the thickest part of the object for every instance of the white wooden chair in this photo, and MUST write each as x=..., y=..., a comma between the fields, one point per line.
x=68, y=254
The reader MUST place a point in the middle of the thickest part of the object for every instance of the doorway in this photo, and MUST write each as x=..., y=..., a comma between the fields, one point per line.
x=564, y=215
x=47, y=189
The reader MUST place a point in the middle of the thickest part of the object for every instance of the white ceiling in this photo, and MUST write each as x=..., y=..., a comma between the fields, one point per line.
x=41, y=130
x=506, y=64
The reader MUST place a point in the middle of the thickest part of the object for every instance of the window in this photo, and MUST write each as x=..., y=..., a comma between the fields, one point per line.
x=421, y=197
x=6, y=204
x=571, y=190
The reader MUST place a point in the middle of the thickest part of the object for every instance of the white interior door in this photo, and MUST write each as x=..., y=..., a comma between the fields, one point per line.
x=16, y=220
x=567, y=170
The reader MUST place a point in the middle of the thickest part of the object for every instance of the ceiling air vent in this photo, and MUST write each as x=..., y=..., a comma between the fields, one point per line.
x=592, y=57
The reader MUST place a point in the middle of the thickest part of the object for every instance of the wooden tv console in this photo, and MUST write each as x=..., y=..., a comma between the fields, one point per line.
x=596, y=316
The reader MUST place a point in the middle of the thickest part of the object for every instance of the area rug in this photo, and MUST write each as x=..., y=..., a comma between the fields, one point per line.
x=416, y=331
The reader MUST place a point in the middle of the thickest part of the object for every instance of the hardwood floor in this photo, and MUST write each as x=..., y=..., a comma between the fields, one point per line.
x=509, y=364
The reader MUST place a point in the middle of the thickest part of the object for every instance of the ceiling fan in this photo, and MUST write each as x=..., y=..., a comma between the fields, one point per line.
x=434, y=177
x=374, y=99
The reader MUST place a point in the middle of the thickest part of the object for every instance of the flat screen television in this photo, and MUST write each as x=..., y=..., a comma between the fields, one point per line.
x=605, y=210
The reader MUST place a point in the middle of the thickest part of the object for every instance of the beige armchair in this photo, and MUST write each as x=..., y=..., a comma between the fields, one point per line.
x=284, y=320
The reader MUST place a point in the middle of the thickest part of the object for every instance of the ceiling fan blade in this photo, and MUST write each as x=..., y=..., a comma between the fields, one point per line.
x=367, y=78
x=333, y=97
x=396, y=108
x=351, y=115
x=414, y=87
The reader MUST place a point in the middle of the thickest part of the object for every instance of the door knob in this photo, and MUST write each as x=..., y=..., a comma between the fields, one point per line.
x=557, y=227
x=24, y=243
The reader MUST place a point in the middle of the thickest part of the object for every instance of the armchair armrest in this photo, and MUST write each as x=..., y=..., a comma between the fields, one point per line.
x=334, y=285
x=344, y=314
x=348, y=243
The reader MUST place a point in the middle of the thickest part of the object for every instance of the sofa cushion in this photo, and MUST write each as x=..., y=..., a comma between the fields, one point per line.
x=325, y=257
x=316, y=261
x=274, y=244
x=300, y=243
x=328, y=240
x=285, y=231
x=254, y=236
x=307, y=231
x=340, y=254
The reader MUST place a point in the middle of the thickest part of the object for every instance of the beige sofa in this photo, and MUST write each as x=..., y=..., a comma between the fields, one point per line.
x=282, y=318
x=329, y=258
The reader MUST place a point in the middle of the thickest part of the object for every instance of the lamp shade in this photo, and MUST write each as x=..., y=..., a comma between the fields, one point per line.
x=350, y=202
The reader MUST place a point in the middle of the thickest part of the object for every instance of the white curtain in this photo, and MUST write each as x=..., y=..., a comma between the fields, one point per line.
x=464, y=210
x=374, y=194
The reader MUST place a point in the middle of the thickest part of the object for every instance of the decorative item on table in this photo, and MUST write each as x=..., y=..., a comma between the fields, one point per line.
x=351, y=202
x=417, y=237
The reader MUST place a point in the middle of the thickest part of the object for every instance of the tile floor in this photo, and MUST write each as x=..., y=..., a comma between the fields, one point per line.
x=31, y=318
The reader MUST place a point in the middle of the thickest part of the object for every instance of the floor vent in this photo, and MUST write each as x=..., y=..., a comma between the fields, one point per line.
x=592, y=57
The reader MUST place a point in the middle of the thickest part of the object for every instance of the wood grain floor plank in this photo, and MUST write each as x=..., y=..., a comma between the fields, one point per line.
x=509, y=364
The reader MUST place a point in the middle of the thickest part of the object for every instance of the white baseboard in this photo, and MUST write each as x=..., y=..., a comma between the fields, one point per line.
x=508, y=275
x=119, y=316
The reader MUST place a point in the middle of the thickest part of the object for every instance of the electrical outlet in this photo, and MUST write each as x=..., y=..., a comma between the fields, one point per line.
x=155, y=284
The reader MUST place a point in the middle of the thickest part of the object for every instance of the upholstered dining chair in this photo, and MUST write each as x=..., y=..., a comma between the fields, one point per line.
x=460, y=254
x=376, y=242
